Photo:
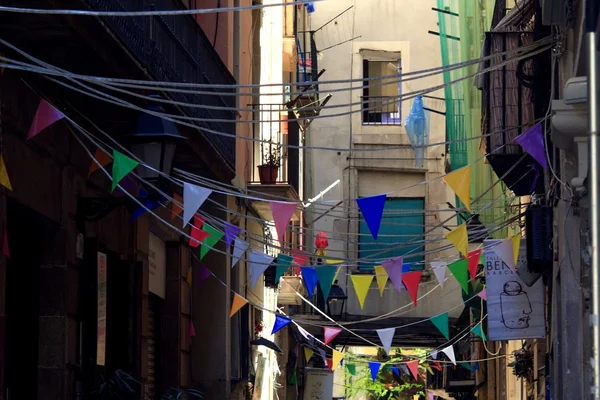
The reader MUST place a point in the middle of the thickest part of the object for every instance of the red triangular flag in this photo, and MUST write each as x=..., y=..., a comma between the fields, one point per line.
x=101, y=158
x=330, y=333
x=282, y=215
x=45, y=116
x=414, y=368
x=300, y=257
x=197, y=234
x=329, y=362
x=474, y=262
x=5, y=248
x=411, y=280
x=437, y=365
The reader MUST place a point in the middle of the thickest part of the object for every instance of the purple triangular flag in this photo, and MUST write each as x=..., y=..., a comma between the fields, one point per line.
x=231, y=232
x=393, y=268
x=203, y=273
x=532, y=142
x=372, y=211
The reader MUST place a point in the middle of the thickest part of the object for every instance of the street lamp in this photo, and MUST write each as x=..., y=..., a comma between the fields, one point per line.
x=336, y=300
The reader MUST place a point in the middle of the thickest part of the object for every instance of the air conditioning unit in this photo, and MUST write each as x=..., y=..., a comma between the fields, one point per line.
x=554, y=12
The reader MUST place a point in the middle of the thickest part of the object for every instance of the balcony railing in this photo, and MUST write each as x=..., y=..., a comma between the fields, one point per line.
x=175, y=49
x=381, y=110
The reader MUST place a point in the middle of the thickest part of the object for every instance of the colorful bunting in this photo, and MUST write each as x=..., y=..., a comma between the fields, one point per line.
x=532, y=142
x=176, y=208
x=101, y=158
x=460, y=270
x=239, y=248
x=329, y=334
x=405, y=369
x=381, y=277
x=393, y=268
x=213, y=238
x=413, y=366
x=237, y=303
x=309, y=276
x=441, y=322
x=122, y=166
x=411, y=281
x=192, y=329
x=4, y=179
x=197, y=234
x=329, y=363
x=282, y=215
x=386, y=336
x=259, y=262
x=193, y=198
x=372, y=211
x=433, y=354
x=374, y=367
x=231, y=232
x=361, y=283
x=439, y=270
x=280, y=322
x=478, y=330
x=460, y=182
x=483, y=294
x=437, y=365
x=396, y=371
x=459, y=238
x=336, y=359
x=45, y=116
x=449, y=351
x=5, y=247
x=474, y=257
x=466, y=366
x=326, y=274
x=516, y=242
x=308, y=353
x=351, y=369
x=283, y=263
x=300, y=257
x=504, y=251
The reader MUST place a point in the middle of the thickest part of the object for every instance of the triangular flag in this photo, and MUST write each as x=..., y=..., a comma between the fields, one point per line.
x=300, y=257
x=329, y=334
x=176, y=208
x=280, y=322
x=532, y=142
x=122, y=166
x=293, y=379
x=45, y=116
x=374, y=367
x=466, y=366
x=231, y=232
x=336, y=359
x=372, y=211
x=5, y=247
x=413, y=366
x=329, y=363
x=460, y=270
x=361, y=283
x=504, y=251
x=441, y=322
x=381, y=277
x=351, y=369
x=237, y=303
x=4, y=179
x=428, y=368
x=483, y=294
x=433, y=354
x=193, y=198
x=439, y=269
x=459, y=238
x=478, y=330
x=337, y=272
x=283, y=263
x=460, y=182
x=516, y=242
x=473, y=258
x=393, y=268
x=309, y=276
x=411, y=281
x=196, y=233
x=449, y=351
x=308, y=353
x=203, y=273
x=386, y=336
x=239, y=248
x=396, y=371
x=192, y=329
x=101, y=158
x=405, y=369
x=322, y=354
x=189, y=276
x=259, y=262
x=214, y=235
x=437, y=365
x=325, y=274
x=282, y=215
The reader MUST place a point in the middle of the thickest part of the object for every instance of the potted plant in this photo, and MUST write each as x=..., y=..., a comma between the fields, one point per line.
x=267, y=172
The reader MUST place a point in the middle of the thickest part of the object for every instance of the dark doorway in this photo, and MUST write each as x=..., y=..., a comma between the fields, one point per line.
x=29, y=235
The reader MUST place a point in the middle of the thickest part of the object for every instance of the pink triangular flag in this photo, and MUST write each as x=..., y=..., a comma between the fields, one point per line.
x=439, y=269
x=483, y=294
x=45, y=116
x=192, y=329
x=5, y=248
x=413, y=366
x=393, y=268
x=330, y=333
x=282, y=215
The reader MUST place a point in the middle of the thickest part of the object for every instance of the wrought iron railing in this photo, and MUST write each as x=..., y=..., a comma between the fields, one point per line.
x=381, y=110
x=175, y=49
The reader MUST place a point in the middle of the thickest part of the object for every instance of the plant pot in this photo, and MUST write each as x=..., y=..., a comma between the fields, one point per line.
x=267, y=174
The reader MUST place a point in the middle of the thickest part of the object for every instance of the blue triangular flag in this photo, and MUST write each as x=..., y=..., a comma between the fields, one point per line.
x=280, y=322
x=309, y=275
x=374, y=366
x=372, y=211
x=326, y=274
x=396, y=371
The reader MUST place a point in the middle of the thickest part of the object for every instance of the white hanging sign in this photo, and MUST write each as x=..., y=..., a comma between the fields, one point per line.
x=318, y=384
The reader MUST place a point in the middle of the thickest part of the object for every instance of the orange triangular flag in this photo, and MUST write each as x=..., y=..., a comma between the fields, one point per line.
x=101, y=158
x=460, y=182
x=237, y=303
x=4, y=179
x=175, y=208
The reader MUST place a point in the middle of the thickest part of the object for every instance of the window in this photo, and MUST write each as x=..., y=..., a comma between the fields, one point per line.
x=401, y=233
x=381, y=101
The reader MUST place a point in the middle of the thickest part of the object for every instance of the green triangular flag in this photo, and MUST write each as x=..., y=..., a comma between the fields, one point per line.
x=213, y=237
x=441, y=322
x=122, y=166
x=466, y=365
x=283, y=263
x=478, y=330
x=326, y=274
x=351, y=368
x=292, y=380
x=460, y=270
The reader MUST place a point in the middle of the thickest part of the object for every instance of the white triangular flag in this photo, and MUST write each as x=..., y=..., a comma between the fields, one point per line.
x=239, y=248
x=433, y=354
x=386, y=336
x=506, y=253
x=405, y=369
x=439, y=269
x=449, y=351
x=193, y=198
x=259, y=262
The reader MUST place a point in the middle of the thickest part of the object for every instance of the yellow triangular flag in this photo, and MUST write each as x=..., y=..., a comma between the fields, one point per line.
x=428, y=368
x=308, y=353
x=189, y=276
x=4, y=179
x=459, y=238
x=237, y=303
x=332, y=261
x=516, y=242
x=381, y=277
x=361, y=283
x=460, y=182
x=336, y=359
